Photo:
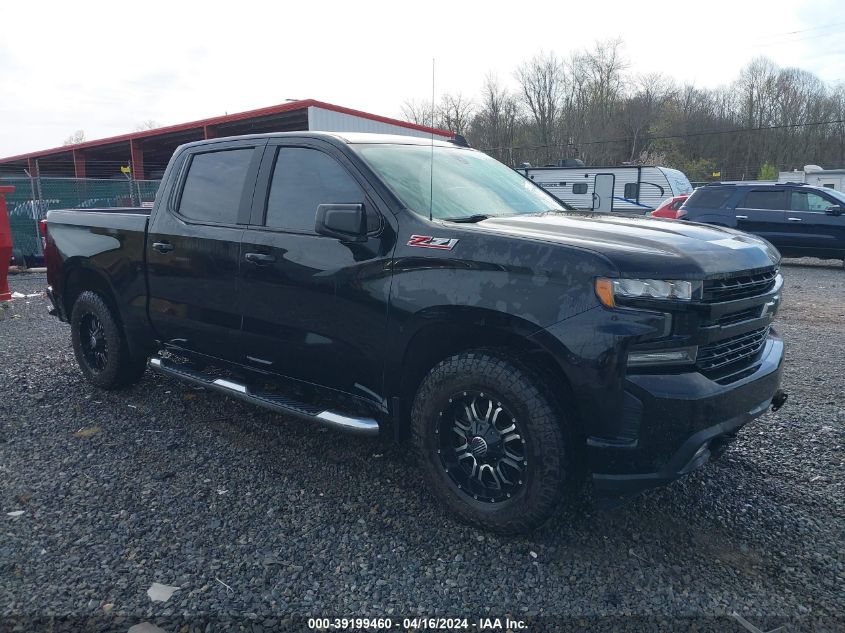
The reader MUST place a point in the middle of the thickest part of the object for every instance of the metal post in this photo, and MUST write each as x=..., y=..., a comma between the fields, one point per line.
x=129, y=181
x=38, y=184
x=34, y=214
x=41, y=206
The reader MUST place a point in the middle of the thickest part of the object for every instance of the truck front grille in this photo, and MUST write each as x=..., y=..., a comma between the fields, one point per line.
x=738, y=317
x=731, y=351
x=739, y=287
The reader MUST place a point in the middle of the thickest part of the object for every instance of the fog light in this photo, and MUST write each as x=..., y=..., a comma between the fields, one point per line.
x=683, y=355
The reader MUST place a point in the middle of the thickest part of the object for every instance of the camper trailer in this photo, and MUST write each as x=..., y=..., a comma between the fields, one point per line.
x=815, y=175
x=635, y=189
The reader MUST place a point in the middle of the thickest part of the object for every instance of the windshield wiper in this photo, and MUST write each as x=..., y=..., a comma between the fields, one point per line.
x=468, y=219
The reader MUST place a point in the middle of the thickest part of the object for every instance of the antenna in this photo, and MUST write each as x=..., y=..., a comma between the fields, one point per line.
x=431, y=173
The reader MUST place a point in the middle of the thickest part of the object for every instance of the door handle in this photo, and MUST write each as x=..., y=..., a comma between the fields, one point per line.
x=259, y=258
x=742, y=217
x=163, y=247
x=793, y=219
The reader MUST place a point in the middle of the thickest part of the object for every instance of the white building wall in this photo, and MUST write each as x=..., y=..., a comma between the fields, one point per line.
x=322, y=120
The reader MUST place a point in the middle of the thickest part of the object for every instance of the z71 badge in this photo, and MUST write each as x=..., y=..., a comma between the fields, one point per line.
x=427, y=241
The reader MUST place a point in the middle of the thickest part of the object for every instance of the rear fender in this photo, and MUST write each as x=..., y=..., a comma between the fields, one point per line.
x=81, y=276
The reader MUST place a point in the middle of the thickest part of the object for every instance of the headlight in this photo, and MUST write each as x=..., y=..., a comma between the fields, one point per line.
x=608, y=290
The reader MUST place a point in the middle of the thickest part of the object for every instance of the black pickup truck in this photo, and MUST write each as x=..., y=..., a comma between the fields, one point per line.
x=426, y=292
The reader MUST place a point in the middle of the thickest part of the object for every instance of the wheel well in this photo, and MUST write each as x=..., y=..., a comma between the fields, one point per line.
x=81, y=279
x=440, y=341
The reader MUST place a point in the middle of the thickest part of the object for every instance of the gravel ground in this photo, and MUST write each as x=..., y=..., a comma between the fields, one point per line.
x=257, y=518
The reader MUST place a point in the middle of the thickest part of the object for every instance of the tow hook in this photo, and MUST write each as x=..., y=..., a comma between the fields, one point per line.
x=779, y=399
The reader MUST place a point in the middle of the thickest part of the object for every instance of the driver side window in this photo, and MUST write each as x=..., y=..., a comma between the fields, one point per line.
x=303, y=179
x=809, y=202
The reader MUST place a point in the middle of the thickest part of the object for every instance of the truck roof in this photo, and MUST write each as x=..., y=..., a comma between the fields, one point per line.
x=348, y=138
x=757, y=184
x=593, y=167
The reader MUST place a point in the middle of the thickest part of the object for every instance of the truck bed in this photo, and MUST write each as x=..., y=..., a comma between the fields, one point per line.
x=119, y=219
x=104, y=244
x=110, y=210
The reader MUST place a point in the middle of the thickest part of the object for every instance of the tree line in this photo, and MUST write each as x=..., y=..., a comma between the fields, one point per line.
x=589, y=105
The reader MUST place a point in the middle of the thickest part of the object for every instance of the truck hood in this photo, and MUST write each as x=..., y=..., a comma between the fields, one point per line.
x=646, y=247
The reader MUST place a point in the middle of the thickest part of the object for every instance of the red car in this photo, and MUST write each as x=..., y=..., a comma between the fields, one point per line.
x=669, y=207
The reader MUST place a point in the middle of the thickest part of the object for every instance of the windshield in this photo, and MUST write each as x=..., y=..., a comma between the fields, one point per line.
x=836, y=194
x=466, y=182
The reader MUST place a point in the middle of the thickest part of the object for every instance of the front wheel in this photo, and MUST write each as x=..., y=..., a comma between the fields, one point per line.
x=490, y=442
x=100, y=345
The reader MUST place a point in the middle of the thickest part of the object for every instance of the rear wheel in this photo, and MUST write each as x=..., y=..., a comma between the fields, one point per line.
x=100, y=345
x=490, y=443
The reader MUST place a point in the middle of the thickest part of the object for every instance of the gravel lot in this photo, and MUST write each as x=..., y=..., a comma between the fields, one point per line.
x=258, y=518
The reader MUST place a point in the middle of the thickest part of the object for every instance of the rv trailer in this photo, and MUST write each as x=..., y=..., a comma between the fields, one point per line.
x=815, y=175
x=627, y=189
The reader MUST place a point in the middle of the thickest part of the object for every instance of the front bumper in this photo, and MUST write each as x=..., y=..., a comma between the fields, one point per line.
x=682, y=421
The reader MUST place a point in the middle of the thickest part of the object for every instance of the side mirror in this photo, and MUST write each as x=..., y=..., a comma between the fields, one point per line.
x=347, y=222
x=834, y=210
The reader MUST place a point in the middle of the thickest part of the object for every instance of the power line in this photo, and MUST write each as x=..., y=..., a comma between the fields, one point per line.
x=670, y=136
x=796, y=39
x=812, y=28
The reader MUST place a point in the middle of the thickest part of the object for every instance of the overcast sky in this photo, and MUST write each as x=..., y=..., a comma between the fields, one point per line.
x=105, y=67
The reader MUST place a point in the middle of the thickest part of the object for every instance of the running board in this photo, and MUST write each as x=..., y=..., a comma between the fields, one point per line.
x=275, y=402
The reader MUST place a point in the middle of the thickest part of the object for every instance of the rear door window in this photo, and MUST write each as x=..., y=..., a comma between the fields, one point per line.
x=710, y=197
x=303, y=179
x=772, y=199
x=213, y=186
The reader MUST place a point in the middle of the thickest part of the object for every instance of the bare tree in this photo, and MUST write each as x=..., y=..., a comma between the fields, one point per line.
x=644, y=107
x=594, y=92
x=836, y=131
x=541, y=80
x=495, y=124
x=756, y=86
x=454, y=113
x=149, y=124
x=589, y=106
x=76, y=137
x=418, y=112
x=605, y=68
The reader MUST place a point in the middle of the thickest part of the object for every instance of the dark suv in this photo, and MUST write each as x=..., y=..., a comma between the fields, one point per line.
x=799, y=220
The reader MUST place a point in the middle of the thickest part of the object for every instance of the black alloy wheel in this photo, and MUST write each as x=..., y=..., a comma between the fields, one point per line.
x=482, y=447
x=95, y=347
x=100, y=345
x=492, y=440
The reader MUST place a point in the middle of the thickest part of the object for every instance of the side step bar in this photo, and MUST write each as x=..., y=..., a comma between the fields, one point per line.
x=275, y=402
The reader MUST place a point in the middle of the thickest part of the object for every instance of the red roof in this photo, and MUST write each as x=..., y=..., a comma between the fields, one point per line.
x=228, y=118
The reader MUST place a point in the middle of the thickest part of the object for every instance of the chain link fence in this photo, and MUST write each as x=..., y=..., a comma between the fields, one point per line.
x=34, y=197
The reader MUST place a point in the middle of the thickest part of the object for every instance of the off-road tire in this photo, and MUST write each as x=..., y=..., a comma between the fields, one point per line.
x=120, y=368
x=502, y=375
